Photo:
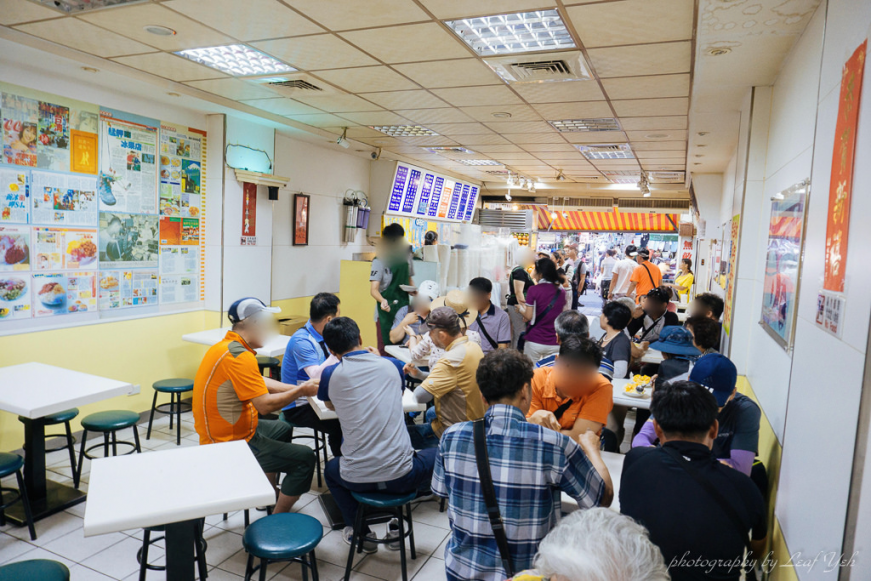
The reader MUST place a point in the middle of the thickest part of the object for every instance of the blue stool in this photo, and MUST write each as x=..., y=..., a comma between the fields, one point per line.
x=174, y=387
x=12, y=464
x=108, y=424
x=64, y=418
x=380, y=503
x=288, y=536
x=41, y=569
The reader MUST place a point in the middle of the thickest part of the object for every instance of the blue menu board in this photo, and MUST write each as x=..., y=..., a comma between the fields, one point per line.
x=455, y=201
x=425, y=193
x=461, y=209
x=470, y=206
x=411, y=192
x=436, y=194
x=398, y=188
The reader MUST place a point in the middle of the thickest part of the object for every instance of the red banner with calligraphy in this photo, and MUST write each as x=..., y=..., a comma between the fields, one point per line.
x=249, y=214
x=841, y=185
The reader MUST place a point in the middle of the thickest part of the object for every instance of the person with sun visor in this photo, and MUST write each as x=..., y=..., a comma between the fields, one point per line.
x=230, y=392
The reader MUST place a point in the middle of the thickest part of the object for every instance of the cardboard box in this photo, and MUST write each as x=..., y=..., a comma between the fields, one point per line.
x=290, y=325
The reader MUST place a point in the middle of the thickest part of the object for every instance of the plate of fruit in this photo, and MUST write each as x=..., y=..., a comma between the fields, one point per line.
x=640, y=386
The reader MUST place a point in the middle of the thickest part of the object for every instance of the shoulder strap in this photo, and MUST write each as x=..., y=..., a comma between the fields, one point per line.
x=547, y=309
x=484, y=332
x=489, y=491
x=650, y=276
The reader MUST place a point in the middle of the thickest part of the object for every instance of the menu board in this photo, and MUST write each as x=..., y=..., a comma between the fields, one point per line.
x=411, y=192
x=14, y=196
x=128, y=168
x=418, y=192
x=64, y=248
x=121, y=289
x=425, y=193
x=180, y=171
x=470, y=205
x=64, y=199
x=64, y=293
x=437, y=189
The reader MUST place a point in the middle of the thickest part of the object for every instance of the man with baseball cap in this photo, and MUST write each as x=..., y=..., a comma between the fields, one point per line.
x=410, y=320
x=645, y=277
x=230, y=392
x=621, y=273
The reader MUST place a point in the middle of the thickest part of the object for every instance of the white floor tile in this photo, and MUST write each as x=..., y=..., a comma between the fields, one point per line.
x=385, y=564
x=333, y=549
x=222, y=545
x=11, y=547
x=428, y=513
x=119, y=561
x=40, y=553
x=433, y=570
x=427, y=538
x=76, y=547
x=49, y=528
x=82, y=573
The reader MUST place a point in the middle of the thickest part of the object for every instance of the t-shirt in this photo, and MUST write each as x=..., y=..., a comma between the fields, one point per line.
x=684, y=520
x=685, y=280
x=226, y=382
x=521, y=275
x=619, y=348
x=643, y=284
x=607, y=267
x=594, y=405
x=366, y=391
x=540, y=296
x=623, y=270
x=419, y=326
x=648, y=329
x=306, y=348
x=498, y=326
x=739, y=427
x=381, y=273
x=454, y=387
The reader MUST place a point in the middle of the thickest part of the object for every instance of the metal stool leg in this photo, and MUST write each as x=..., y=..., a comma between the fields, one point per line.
x=136, y=439
x=171, y=405
x=81, y=456
x=313, y=564
x=28, y=515
x=249, y=568
x=402, y=563
x=410, y=530
x=355, y=538
x=72, y=450
x=143, y=556
x=105, y=444
x=151, y=417
x=201, y=551
x=263, y=563
x=178, y=419
x=114, y=443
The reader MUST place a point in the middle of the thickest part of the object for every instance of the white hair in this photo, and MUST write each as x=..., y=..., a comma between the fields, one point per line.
x=600, y=544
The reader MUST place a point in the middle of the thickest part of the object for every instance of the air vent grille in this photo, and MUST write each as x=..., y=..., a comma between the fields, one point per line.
x=667, y=177
x=295, y=84
x=576, y=125
x=516, y=221
x=606, y=151
x=539, y=68
x=590, y=202
x=648, y=203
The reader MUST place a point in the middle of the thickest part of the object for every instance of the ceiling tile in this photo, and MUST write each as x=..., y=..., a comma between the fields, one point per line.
x=659, y=146
x=643, y=59
x=584, y=110
x=429, y=140
x=85, y=37
x=648, y=155
x=560, y=158
x=129, y=20
x=560, y=92
x=447, y=9
x=517, y=112
x=404, y=149
x=648, y=87
x=453, y=129
x=657, y=135
x=476, y=96
x=497, y=149
x=595, y=137
x=574, y=164
x=633, y=22
x=170, y=66
x=425, y=116
x=376, y=118
x=515, y=157
x=350, y=14
x=651, y=107
x=418, y=99
x=282, y=106
x=483, y=139
x=367, y=79
x=615, y=163
x=233, y=89
x=383, y=141
x=663, y=167
x=361, y=132
x=520, y=127
x=322, y=51
x=524, y=138
x=408, y=43
x=339, y=103
x=646, y=123
x=16, y=11
x=550, y=147
x=451, y=73
x=319, y=120
x=260, y=19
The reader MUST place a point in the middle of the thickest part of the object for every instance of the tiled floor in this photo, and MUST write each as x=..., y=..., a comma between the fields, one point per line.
x=113, y=556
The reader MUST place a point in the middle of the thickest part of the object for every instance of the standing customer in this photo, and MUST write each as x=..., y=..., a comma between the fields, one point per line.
x=529, y=465
x=607, y=269
x=519, y=283
x=645, y=277
x=684, y=281
x=491, y=324
x=391, y=269
x=621, y=273
x=544, y=302
x=579, y=281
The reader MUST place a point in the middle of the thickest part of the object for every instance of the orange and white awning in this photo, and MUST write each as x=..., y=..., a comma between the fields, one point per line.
x=613, y=221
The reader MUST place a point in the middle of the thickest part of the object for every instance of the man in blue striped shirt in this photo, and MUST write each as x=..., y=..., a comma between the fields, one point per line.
x=530, y=466
x=574, y=324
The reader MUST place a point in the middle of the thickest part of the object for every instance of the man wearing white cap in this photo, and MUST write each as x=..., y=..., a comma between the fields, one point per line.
x=410, y=320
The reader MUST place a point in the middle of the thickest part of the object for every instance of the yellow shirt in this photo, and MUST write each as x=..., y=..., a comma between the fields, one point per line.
x=686, y=281
x=454, y=387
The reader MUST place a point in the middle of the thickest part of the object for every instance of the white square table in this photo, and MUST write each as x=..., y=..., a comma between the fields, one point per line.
x=33, y=391
x=620, y=397
x=275, y=347
x=174, y=488
x=409, y=404
x=614, y=464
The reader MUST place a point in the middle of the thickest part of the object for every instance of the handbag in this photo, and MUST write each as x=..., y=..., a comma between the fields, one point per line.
x=521, y=340
x=489, y=491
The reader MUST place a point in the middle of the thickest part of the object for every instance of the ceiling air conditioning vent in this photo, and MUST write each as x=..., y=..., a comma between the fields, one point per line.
x=516, y=221
x=668, y=206
x=666, y=177
x=537, y=68
x=295, y=84
x=573, y=203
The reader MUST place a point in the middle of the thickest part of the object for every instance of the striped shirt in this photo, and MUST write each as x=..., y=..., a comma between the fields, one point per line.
x=606, y=368
x=530, y=466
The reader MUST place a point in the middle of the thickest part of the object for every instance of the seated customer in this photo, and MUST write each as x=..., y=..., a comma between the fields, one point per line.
x=676, y=345
x=708, y=305
x=572, y=397
x=567, y=324
x=229, y=392
x=422, y=347
x=706, y=333
x=615, y=342
x=646, y=329
x=304, y=358
x=698, y=511
x=491, y=323
x=365, y=390
x=410, y=320
x=531, y=465
x=451, y=382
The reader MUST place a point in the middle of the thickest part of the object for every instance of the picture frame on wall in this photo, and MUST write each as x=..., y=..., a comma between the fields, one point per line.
x=301, y=215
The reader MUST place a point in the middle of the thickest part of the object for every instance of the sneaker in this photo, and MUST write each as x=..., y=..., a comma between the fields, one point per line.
x=369, y=547
x=393, y=535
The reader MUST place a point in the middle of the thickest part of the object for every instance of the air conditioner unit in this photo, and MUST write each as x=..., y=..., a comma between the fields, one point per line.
x=654, y=205
x=296, y=85
x=541, y=67
x=666, y=177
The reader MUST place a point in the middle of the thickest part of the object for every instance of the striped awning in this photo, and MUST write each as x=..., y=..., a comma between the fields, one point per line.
x=613, y=221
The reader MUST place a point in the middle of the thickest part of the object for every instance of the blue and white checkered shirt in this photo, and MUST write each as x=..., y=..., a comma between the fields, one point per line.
x=530, y=465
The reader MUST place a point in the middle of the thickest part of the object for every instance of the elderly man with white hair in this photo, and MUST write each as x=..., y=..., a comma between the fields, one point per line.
x=597, y=544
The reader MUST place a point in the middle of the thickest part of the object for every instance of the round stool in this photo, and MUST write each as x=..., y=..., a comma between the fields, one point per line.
x=174, y=387
x=64, y=418
x=288, y=536
x=379, y=502
x=108, y=424
x=272, y=364
x=41, y=569
x=12, y=464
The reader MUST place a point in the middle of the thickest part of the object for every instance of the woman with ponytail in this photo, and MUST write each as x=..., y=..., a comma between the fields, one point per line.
x=544, y=302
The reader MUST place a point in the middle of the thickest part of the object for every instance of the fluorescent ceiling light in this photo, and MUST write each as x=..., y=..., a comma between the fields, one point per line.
x=403, y=130
x=77, y=6
x=617, y=151
x=575, y=125
x=514, y=33
x=449, y=149
x=480, y=162
x=237, y=60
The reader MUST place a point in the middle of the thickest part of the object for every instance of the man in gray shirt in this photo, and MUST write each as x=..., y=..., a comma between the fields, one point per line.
x=365, y=390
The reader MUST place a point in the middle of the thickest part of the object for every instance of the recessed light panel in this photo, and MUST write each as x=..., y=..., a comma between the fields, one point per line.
x=79, y=6
x=237, y=60
x=622, y=177
x=514, y=33
x=403, y=130
x=576, y=125
x=480, y=162
x=449, y=149
x=618, y=151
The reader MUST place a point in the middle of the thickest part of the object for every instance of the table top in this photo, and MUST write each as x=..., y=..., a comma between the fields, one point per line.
x=157, y=488
x=652, y=356
x=34, y=390
x=274, y=348
x=620, y=397
x=409, y=404
x=614, y=463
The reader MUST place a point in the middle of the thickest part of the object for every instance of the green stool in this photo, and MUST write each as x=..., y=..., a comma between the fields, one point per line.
x=41, y=569
x=174, y=387
x=108, y=424
x=12, y=464
x=380, y=503
x=271, y=364
x=289, y=536
x=64, y=418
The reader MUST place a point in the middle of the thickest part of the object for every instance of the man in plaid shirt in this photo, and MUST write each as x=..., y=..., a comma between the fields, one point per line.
x=530, y=466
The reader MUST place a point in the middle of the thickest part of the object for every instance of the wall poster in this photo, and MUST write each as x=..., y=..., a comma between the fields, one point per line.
x=64, y=293
x=180, y=170
x=249, y=214
x=64, y=248
x=128, y=240
x=14, y=248
x=14, y=197
x=121, y=289
x=64, y=199
x=128, y=168
x=730, y=274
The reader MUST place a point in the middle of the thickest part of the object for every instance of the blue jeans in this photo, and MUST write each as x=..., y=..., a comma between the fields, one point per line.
x=419, y=476
x=422, y=435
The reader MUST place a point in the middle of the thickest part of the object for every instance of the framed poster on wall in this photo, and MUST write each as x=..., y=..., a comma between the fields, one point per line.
x=300, y=219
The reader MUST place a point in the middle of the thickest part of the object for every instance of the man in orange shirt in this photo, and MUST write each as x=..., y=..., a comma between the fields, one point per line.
x=646, y=276
x=572, y=397
x=230, y=392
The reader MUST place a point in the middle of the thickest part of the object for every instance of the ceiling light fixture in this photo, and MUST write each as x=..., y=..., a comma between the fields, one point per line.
x=606, y=151
x=77, y=6
x=510, y=181
x=657, y=135
x=718, y=51
x=237, y=60
x=553, y=216
x=522, y=183
x=450, y=149
x=530, y=187
x=480, y=162
x=577, y=125
x=508, y=194
x=514, y=33
x=501, y=115
x=403, y=130
x=159, y=30
x=342, y=141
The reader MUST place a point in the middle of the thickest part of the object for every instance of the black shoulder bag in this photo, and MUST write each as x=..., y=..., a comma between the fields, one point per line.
x=484, y=332
x=650, y=276
x=521, y=340
x=483, y=460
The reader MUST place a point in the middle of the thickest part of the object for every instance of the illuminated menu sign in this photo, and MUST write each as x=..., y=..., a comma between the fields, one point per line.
x=470, y=206
x=464, y=199
x=418, y=192
x=425, y=194
x=445, y=202
x=436, y=196
x=411, y=192
x=398, y=187
x=455, y=201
